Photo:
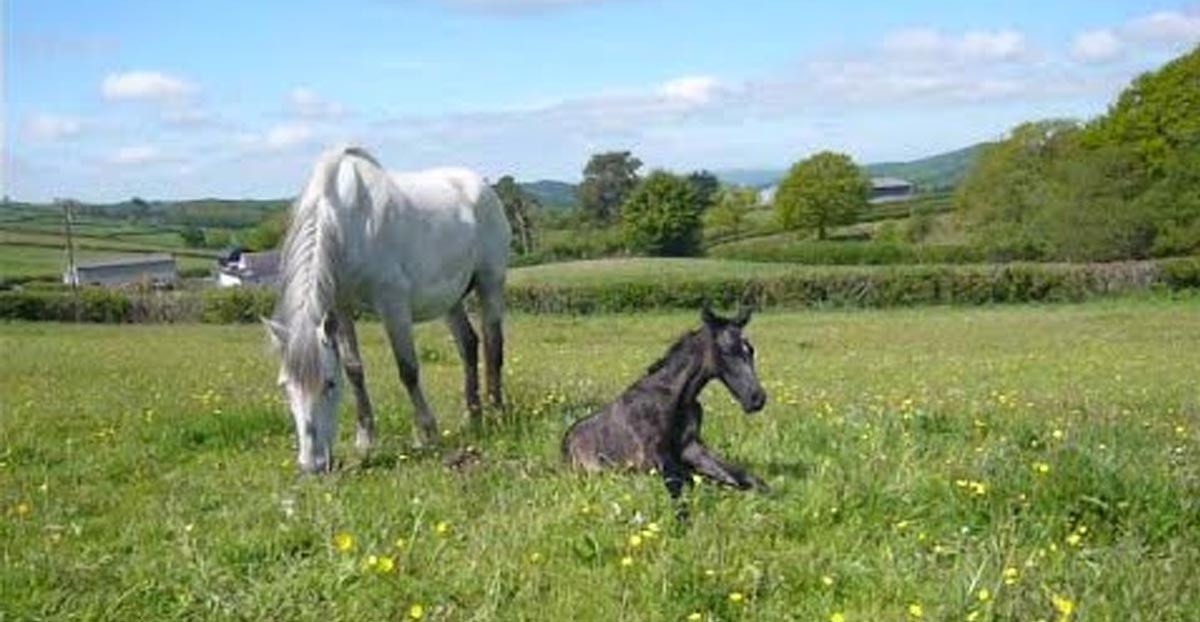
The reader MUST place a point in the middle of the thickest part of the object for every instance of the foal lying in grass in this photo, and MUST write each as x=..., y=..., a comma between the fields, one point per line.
x=655, y=423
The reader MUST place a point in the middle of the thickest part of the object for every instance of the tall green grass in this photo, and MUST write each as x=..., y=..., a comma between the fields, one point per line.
x=958, y=464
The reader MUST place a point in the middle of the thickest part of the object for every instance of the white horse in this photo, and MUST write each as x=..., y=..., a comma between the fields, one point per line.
x=411, y=246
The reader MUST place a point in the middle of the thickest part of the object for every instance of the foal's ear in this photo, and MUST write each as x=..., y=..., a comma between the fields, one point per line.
x=276, y=331
x=707, y=315
x=743, y=316
x=329, y=327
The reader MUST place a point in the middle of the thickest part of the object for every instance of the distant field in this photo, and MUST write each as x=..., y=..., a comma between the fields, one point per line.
x=641, y=270
x=936, y=464
x=46, y=261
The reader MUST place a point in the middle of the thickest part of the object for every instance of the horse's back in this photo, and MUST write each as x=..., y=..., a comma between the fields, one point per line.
x=466, y=197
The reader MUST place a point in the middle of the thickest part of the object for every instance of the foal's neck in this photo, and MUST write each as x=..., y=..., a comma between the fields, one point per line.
x=685, y=373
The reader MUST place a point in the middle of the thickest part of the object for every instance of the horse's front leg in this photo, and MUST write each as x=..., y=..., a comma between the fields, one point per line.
x=364, y=436
x=397, y=320
x=706, y=463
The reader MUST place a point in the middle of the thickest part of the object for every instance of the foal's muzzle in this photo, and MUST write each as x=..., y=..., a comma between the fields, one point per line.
x=757, y=401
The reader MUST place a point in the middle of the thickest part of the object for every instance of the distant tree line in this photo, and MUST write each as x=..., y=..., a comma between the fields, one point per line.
x=1125, y=185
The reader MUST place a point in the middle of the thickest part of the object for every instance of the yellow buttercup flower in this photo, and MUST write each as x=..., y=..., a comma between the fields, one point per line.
x=736, y=597
x=416, y=612
x=837, y=617
x=827, y=580
x=385, y=565
x=695, y=616
x=635, y=541
x=984, y=595
x=627, y=561
x=442, y=528
x=1064, y=606
x=916, y=610
x=343, y=542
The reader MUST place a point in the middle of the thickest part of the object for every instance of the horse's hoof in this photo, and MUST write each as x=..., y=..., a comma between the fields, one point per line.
x=363, y=442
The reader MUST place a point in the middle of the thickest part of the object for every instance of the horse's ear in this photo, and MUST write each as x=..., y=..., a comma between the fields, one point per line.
x=743, y=316
x=276, y=331
x=707, y=315
x=329, y=327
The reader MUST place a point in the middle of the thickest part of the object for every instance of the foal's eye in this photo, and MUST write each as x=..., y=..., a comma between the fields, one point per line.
x=330, y=386
x=749, y=348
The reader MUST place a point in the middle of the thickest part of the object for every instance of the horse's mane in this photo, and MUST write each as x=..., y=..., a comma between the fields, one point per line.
x=308, y=261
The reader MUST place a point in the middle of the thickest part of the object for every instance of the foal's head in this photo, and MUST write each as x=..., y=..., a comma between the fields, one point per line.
x=731, y=357
x=310, y=375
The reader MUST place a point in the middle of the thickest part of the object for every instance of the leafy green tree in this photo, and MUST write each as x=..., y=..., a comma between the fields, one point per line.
x=825, y=190
x=608, y=179
x=1157, y=116
x=520, y=207
x=728, y=214
x=1003, y=198
x=662, y=216
x=268, y=234
x=193, y=237
x=706, y=186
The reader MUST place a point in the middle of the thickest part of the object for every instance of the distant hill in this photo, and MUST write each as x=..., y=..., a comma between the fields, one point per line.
x=939, y=172
x=555, y=195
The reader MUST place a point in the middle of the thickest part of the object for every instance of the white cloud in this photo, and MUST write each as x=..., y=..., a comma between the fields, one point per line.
x=136, y=154
x=47, y=128
x=145, y=85
x=1170, y=28
x=694, y=89
x=972, y=46
x=1097, y=46
x=307, y=103
x=278, y=138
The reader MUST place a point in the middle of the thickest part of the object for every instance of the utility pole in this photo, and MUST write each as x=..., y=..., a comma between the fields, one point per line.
x=72, y=274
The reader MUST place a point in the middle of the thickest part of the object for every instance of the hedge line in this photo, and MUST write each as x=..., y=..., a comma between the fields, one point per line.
x=805, y=287
x=785, y=249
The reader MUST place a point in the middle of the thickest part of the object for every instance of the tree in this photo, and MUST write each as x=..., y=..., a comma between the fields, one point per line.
x=825, y=190
x=268, y=233
x=608, y=179
x=729, y=211
x=706, y=186
x=193, y=237
x=662, y=216
x=520, y=208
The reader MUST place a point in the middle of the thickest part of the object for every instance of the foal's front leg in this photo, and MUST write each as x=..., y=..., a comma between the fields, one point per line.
x=364, y=436
x=397, y=320
x=706, y=463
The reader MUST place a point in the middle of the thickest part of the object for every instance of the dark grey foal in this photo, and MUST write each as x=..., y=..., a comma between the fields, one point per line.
x=655, y=424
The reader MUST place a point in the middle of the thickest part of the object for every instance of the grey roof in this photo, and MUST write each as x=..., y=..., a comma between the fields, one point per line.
x=128, y=261
x=889, y=182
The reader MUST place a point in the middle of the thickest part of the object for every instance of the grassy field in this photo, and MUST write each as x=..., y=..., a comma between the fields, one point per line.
x=1016, y=463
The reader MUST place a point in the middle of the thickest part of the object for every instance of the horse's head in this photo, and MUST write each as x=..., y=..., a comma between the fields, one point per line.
x=732, y=358
x=310, y=375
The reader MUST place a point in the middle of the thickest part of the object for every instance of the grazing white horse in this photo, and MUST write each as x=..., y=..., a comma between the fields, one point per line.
x=411, y=246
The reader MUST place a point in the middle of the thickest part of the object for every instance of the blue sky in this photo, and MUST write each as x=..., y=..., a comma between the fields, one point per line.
x=234, y=99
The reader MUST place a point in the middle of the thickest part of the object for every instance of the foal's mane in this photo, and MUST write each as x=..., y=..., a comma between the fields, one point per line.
x=680, y=344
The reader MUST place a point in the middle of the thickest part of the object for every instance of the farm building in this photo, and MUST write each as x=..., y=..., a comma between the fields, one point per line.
x=245, y=268
x=155, y=269
x=885, y=189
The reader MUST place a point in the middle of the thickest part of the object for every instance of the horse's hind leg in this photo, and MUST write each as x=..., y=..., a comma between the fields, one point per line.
x=352, y=362
x=468, y=351
x=491, y=303
x=398, y=322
